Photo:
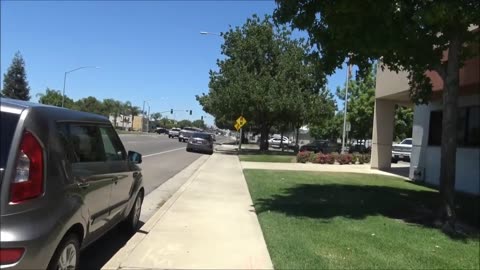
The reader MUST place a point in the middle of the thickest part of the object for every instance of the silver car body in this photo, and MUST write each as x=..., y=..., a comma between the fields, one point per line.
x=200, y=142
x=82, y=198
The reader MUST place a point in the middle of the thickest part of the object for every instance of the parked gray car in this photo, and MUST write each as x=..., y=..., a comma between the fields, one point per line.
x=200, y=142
x=65, y=180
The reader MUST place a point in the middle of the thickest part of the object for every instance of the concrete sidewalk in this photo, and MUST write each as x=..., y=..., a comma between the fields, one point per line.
x=209, y=223
x=357, y=168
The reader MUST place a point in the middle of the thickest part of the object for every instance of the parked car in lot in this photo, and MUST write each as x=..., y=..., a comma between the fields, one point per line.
x=402, y=150
x=200, y=142
x=321, y=146
x=173, y=133
x=276, y=142
x=65, y=180
x=186, y=133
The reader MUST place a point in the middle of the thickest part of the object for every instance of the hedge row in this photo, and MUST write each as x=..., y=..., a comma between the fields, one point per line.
x=303, y=157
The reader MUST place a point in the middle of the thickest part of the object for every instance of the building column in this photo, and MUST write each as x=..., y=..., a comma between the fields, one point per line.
x=383, y=124
x=421, y=122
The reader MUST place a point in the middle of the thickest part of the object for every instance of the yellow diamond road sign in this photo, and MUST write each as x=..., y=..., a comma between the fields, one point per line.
x=241, y=121
x=237, y=126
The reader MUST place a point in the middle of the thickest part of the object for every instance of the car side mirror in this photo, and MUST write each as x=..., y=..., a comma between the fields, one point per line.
x=135, y=157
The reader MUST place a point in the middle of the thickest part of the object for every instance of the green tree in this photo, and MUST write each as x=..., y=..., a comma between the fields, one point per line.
x=89, y=104
x=330, y=129
x=360, y=105
x=113, y=107
x=407, y=35
x=15, y=84
x=265, y=77
x=184, y=123
x=54, y=97
x=167, y=123
x=156, y=116
x=403, y=123
x=132, y=111
x=199, y=124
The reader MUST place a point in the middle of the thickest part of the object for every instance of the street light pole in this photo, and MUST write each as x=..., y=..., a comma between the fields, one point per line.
x=345, y=109
x=148, y=118
x=65, y=80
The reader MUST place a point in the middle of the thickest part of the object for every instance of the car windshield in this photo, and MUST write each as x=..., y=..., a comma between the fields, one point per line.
x=202, y=136
x=407, y=141
x=8, y=124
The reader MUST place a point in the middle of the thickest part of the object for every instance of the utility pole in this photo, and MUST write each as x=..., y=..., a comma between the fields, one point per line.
x=345, y=109
x=148, y=119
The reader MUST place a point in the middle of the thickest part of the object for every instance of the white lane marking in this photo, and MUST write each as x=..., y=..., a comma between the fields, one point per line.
x=164, y=152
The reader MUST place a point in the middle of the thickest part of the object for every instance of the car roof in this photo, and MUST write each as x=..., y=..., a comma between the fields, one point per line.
x=52, y=112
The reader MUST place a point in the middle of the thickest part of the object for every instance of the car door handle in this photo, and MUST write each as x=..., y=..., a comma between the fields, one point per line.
x=83, y=184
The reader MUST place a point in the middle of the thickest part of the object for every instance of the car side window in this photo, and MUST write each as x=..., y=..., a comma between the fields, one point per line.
x=82, y=142
x=113, y=146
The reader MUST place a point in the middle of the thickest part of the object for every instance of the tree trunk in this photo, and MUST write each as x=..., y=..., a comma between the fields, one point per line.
x=296, y=140
x=264, y=138
x=449, y=132
x=132, y=123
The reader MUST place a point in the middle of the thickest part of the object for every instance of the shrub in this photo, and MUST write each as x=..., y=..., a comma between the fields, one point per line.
x=320, y=158
x=365, y=158
x=330, y=159
x=344, y=159
x=304, y=156
x=356, y=157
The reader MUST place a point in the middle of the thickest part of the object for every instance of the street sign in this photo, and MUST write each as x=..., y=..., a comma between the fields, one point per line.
x=348, y=127
x=237, y=126
x=241, y=121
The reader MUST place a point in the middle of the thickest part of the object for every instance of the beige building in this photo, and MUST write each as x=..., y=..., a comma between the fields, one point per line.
x=392, y=88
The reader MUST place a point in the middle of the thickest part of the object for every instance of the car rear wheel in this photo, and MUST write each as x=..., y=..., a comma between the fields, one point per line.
x=67, y=255
x=131, y=222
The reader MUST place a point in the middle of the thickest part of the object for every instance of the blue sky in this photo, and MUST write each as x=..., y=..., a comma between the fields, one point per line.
x=149, y=50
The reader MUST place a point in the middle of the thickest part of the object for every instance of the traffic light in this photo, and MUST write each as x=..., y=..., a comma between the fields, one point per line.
x=190, y=112
x=171, y=111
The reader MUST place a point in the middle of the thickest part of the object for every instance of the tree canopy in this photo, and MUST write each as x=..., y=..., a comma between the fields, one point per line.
x=266, y=77
x=15, y=84
x=411, y=36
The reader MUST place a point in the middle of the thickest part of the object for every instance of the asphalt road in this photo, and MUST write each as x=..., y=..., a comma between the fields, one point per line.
x=162, y=159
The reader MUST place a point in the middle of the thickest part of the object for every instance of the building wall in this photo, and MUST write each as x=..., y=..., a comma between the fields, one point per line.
x=123, y=122
x=427, y=157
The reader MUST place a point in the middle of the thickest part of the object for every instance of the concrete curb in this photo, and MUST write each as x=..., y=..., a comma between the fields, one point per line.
x=124, y=252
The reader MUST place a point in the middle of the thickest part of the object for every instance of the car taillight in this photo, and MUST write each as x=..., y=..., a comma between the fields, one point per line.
x=10, y=255
x=28, y=180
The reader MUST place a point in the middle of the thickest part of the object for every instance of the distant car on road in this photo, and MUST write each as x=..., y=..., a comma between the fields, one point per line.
x=174, y=133
x=186, y=133
x=200, y=142
x=321, y=146
x=402, y=151
x=65, y=180
x=161, y=130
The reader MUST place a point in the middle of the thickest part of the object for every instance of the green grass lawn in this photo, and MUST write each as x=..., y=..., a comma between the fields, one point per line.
x=268, y=158
x=340, y=220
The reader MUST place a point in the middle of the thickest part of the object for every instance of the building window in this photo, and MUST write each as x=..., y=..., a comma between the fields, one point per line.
x=468, y=127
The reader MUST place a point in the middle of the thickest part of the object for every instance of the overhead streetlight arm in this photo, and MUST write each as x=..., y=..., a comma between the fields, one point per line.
x=80, y=68
x=209, y=33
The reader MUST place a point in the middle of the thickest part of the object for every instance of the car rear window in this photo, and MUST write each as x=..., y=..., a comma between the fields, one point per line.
x=202, y=136
x=8, y=123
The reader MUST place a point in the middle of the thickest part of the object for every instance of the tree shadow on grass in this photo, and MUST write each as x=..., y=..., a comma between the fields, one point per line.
x=357, y=202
